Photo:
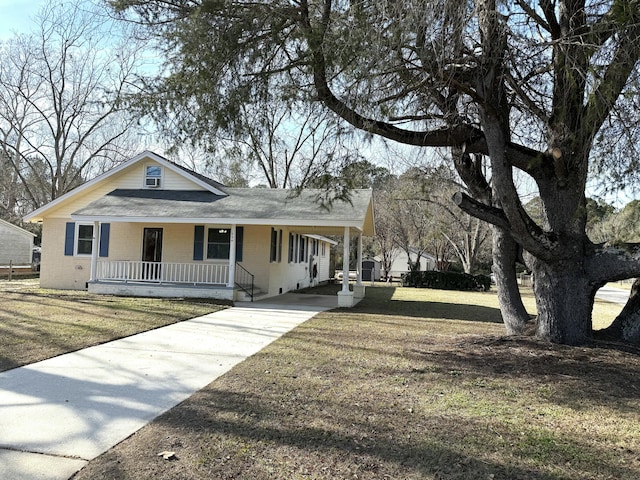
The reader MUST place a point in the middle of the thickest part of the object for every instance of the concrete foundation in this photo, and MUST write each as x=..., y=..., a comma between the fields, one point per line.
x=345, y=299
x=161, y=290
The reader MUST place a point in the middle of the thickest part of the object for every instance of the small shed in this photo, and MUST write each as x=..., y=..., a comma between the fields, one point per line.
x=370, y=270
x=16, y=244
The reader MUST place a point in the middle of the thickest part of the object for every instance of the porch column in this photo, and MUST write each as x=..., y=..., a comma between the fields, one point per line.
x=232, y=257
x=345, y=296
x=95, y=244
x=359, y=288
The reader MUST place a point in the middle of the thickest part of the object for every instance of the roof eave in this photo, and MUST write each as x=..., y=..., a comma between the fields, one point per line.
x=220, y=220
x=17, y=228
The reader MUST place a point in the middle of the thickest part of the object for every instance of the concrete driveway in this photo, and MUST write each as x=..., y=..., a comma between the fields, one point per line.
x=58, y=414
x=613, y=294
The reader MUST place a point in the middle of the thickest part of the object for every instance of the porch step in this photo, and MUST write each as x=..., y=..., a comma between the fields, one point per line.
x=242, y=296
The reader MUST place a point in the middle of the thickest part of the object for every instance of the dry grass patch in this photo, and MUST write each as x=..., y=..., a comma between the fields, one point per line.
x=410, y=384
x=36, y=324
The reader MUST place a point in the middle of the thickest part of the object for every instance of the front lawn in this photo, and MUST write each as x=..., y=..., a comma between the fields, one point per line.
x=36, y=324
x=410, y=384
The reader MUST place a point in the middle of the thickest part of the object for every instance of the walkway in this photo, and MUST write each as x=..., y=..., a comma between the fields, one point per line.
x=58, y=414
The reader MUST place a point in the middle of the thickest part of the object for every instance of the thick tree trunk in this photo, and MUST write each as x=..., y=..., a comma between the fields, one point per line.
x=626, y=326
x=505, y=255
x=564, y=299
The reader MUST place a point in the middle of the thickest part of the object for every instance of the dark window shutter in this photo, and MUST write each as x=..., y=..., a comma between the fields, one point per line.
x=290, y=258
x=239, y=241
x=273, y=251
x=69, y=234
x=105, y=230
x=198, y=242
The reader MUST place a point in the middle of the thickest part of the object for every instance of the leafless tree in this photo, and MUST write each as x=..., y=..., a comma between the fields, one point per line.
x=62, y=89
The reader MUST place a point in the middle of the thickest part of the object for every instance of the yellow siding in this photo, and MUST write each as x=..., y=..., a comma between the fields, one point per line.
x=174, y=181
x=278, y=277
x=285, y=276
x=177, y=243
x=73, y=272
x=255, y=253
x=130, y=178
x=56, y=269
x=126, y=241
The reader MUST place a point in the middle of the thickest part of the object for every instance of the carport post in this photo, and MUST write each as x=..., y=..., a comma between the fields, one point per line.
x=345, y=261
x=358, y=288
x=345, y=296
x=359, y=266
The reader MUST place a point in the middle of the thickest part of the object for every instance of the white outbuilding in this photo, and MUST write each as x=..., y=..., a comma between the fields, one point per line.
x=16, y=244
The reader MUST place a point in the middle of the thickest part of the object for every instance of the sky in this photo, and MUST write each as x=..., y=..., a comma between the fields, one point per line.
x=16, y=16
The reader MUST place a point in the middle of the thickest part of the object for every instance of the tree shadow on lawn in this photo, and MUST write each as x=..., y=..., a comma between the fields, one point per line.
x=254, y=436
x=575, y=377
x=382, y=303
x=291, y=413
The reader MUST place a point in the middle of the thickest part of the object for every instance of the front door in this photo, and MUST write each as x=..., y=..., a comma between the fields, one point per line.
x=152, y=252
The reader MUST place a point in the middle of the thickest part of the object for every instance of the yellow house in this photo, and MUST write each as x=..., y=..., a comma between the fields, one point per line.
x=150, y=227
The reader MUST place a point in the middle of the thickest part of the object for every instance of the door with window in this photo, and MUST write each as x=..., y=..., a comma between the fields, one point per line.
x=152, y=253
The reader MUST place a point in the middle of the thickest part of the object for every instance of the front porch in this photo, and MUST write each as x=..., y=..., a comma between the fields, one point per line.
x=172, y=279
x=163, y=272
x=208, y=276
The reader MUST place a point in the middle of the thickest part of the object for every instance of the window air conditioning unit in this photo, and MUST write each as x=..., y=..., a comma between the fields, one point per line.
x=153, y=182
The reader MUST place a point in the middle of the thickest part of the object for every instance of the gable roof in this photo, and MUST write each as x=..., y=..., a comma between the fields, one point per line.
x=426, y=255
x=216, y=204
x=11, y=226
x=216, y=185
x=248, y=206
x=204, y=182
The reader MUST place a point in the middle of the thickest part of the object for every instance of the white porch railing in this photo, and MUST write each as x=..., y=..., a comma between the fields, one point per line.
x=163, y=272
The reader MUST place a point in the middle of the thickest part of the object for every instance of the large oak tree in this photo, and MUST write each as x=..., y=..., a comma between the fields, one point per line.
x=533, y=86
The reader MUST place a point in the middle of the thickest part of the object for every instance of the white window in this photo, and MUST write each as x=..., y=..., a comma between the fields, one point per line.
x=153, y=176
x=218, y=243
x=84, y=239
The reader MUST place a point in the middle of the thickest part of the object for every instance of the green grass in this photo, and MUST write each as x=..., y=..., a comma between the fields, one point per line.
x=409, y=384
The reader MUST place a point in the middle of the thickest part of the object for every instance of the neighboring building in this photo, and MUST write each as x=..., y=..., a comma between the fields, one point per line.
x=150, y=227
x=371, y=268
x=16, y=244
x=400, y=263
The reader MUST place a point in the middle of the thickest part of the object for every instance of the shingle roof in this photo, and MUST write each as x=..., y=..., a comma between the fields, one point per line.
x=241, y=205
x=197, y=175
